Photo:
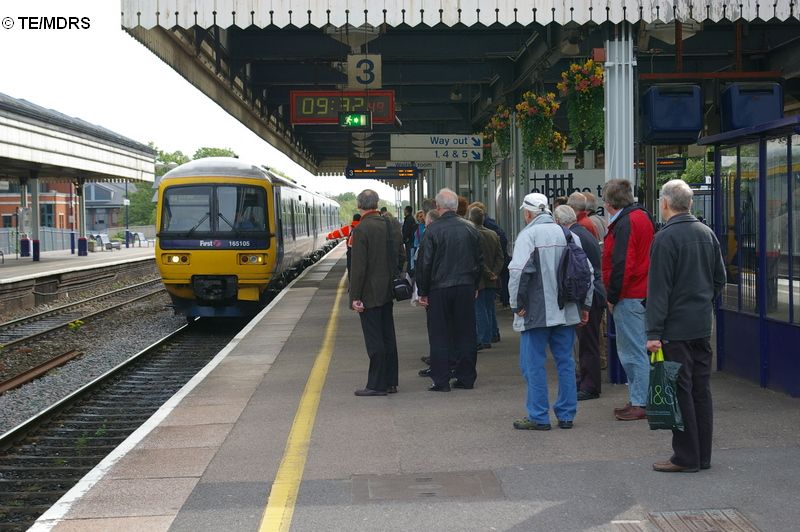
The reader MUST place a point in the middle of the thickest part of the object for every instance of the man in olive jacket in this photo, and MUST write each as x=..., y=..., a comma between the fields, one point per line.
x=493, y=261
x=377, y=255
x=686, y=274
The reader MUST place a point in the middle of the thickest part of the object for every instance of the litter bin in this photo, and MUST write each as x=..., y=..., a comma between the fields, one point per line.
x=82, y=247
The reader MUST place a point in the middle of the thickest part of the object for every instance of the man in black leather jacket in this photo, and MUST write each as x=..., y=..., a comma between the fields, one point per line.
x=447, y=276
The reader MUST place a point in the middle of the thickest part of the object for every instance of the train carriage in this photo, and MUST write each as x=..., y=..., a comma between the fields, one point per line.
x=229, y=233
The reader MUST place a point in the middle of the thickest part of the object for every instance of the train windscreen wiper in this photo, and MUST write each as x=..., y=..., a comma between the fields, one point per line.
x=236, y=230
x=203, y=219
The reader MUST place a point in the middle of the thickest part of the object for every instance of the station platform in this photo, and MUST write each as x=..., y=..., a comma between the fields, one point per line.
x=16, y=269
x=272, y=423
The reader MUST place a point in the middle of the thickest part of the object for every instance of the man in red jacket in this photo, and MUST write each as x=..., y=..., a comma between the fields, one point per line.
x=626, y=260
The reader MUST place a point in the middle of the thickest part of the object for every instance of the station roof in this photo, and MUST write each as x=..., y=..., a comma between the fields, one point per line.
x=450, y=63
x=56, y=146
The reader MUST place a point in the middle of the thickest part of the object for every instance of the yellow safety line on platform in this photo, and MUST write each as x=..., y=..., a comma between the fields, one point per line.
x=283, y=496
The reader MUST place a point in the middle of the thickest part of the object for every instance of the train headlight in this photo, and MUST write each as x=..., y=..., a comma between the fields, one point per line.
x=252, y=258
x=174, y=259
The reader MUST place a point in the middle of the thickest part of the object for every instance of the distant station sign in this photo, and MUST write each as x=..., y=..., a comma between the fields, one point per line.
x=323, y=107
x=462, y=148
x=379, y=172
x=408, y=164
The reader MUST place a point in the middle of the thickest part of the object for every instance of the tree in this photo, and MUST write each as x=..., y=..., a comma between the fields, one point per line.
x=142, y=210
x=202, y=153
x=695, y=171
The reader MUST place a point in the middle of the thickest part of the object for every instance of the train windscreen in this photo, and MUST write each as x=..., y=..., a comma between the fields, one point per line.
x=216, y=209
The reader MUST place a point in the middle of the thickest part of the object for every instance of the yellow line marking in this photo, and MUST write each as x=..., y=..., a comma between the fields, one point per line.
x=283, y=496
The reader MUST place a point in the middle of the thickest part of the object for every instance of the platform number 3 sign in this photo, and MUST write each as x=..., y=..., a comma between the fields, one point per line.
x=364, y=71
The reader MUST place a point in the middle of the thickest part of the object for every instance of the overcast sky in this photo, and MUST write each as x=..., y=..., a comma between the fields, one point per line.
x=104, y=76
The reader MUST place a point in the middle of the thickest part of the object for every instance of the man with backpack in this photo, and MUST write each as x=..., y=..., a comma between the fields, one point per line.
x=535, y=288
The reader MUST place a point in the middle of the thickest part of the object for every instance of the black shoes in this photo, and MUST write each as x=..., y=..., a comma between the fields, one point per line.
x=495, y=339
x=438, y=388
x=564, y=424
x=426, y=360
x=366, y=392
x=583, y=395
x=424, y=372
x=391, y=389
x=483, y=346
x=459, y=384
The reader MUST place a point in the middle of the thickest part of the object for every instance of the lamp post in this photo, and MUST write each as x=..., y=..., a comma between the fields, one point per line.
x=126, y=202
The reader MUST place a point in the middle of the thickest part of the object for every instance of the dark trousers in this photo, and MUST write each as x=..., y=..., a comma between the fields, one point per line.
x=451, y=328
x=692, y=446
x=378, y=326
x=589, y=350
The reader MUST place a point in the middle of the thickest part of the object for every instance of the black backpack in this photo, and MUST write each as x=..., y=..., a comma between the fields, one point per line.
x=574, y=275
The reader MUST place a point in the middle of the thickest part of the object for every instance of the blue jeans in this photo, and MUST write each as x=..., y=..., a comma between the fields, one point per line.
x=484, y=311
x=531, y=359
x=632, y=347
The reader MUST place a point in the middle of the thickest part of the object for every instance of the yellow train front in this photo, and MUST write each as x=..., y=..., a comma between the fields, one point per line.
x=230, y=233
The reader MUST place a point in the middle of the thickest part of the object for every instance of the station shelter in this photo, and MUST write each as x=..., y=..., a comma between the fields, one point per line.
x=47, y=162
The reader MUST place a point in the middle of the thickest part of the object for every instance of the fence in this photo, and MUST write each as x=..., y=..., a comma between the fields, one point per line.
x=51, y=239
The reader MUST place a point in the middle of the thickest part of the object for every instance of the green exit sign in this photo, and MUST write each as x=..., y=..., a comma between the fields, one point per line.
x=355, y=120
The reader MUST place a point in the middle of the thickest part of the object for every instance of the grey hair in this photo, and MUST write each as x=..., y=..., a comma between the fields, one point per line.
x=565, y=215
x=618, y=193
x=431, y=216
x=447, y=199
x=367, y=200
x=591, y=201
x=475, y=216
x=577, y=201
x=428, y=204
x=678, y=195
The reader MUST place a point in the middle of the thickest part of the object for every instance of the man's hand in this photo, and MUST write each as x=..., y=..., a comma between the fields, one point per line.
x=423, y=300
x=521, y=313
x=357, y=305
x=584, y=318
x=653, y=345
x=610, y=307
x=476, y=294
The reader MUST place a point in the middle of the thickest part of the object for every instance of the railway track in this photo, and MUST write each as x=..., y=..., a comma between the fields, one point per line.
x=43, y=458
x=28, y=327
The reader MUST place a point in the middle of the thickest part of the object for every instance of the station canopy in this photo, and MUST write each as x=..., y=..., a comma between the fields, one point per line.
x=447, y=63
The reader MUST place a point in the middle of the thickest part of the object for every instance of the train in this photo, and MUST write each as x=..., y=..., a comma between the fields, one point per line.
x=230, y=234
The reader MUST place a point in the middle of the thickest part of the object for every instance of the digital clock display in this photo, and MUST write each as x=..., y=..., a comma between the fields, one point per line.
x=323, y=107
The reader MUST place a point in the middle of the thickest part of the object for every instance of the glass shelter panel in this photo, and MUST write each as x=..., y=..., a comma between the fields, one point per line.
x=794, y=220
x=747, y=221
x=728, y=228
x=777, y=229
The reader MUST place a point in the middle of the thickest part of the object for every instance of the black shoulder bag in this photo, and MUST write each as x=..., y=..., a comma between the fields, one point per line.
x=401, y=286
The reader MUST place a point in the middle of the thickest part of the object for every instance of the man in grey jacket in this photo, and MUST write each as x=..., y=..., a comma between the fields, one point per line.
x=537, y=316
x=686, y=274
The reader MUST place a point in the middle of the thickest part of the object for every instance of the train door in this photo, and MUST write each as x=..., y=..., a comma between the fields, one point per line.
x=278, y=210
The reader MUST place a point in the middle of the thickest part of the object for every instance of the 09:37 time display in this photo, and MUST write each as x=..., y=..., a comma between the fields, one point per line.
x=323, y=107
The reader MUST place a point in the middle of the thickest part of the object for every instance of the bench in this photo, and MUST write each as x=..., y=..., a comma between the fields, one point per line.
x=139, y=237
x=103, y=242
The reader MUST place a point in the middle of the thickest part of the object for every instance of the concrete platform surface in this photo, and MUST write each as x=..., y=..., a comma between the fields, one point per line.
x=419, y=460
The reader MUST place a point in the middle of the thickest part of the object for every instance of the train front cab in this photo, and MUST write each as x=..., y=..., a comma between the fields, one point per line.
x=757, y=221
x=217, y=246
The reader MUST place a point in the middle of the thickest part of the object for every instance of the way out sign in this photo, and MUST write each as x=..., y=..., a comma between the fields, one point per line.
x=462, y=148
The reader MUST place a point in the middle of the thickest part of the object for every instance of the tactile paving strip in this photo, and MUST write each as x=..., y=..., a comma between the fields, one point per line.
x=709, y=520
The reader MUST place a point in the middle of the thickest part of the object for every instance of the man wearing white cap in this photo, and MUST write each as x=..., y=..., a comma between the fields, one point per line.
x=537, y=316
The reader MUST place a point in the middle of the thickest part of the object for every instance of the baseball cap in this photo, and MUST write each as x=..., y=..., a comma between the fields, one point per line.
x=534, y=202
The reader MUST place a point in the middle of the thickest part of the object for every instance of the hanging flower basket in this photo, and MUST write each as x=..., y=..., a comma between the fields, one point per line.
x=542, y=145
x=487, y=163
x=582, y=85
x=499, y=128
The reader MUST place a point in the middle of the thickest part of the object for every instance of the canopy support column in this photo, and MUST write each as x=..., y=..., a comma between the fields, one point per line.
x=619, y=133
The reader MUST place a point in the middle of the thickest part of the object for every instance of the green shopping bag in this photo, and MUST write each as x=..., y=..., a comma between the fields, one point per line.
x=662, y=409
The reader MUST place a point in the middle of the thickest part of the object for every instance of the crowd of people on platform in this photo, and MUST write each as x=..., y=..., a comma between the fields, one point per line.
x=658, y=286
